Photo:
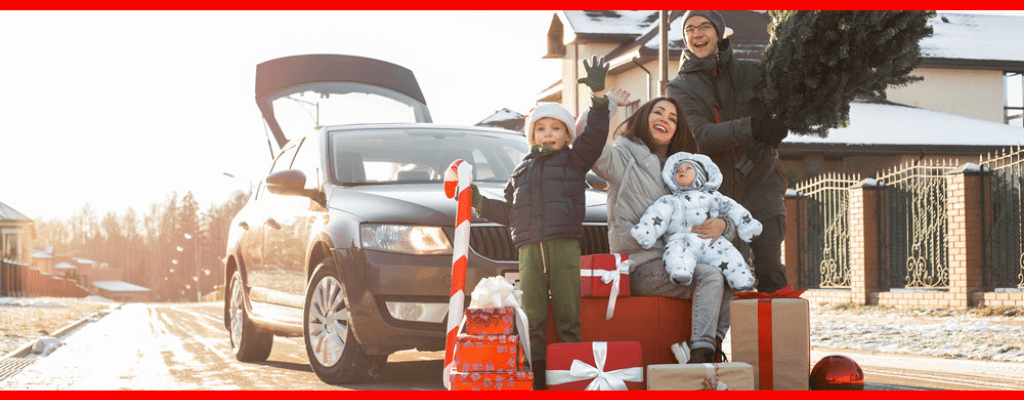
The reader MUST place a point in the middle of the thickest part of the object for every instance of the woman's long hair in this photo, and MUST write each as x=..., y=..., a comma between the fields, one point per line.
x=637, y=128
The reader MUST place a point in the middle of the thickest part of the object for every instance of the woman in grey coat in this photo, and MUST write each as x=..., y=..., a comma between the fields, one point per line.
x=632, y=166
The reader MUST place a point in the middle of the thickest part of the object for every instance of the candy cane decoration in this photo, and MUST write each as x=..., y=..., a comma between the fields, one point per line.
x=458, y=176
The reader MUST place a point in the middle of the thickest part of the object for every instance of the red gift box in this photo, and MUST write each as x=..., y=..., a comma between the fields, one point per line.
x=487, y=353
x=655, y=321
x=595, y=366
x=491, y=380
x=490, y=321
x=597, y=272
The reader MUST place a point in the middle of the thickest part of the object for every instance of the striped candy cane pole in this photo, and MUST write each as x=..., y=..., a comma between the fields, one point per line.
x=457, y=178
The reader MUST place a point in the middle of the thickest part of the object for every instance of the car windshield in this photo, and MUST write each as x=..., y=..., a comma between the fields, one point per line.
x=398, y=155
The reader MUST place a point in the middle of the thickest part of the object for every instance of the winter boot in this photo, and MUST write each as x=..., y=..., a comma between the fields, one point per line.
x=539, y=375
x=702, y=356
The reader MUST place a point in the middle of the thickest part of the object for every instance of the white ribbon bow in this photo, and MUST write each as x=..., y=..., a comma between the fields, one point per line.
x=497, y=292
x=713, y=377
x=602, y=380
x=613, y=277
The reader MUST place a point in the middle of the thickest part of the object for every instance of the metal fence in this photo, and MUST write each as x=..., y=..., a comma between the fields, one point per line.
x=1004, y=252
x=913, y=237
x=826, y=231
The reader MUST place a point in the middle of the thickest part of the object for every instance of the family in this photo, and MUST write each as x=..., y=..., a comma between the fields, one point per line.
x=677, y=205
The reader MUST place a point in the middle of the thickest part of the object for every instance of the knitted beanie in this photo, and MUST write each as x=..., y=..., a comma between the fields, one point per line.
x=716, y=20
x=550, y=111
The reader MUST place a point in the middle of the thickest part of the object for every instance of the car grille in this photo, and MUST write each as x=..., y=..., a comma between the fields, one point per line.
x=495, y=242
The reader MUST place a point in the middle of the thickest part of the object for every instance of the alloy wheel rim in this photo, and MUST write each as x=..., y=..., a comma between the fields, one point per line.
x=328, y=321
x=236, y=312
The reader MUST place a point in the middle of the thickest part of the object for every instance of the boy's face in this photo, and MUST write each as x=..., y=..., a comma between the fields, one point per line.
x=550, y=132
x=701, y=36
x=685, y=174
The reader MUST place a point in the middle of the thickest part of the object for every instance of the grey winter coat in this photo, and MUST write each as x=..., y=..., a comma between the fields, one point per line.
x=716, y=94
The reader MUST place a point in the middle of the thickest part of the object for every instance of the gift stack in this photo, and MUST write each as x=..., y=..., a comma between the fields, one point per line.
x=772, y=332
x=490, y=354
x=595, y=366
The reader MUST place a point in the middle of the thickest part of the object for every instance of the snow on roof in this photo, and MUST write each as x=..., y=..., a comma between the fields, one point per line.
x=119, y=286
x=611, y=22
x=503, y=114
x=886, y=124
x=9, y=214
x=84, y=261
x=41, y=254
x=975, y=37
x=64, y=265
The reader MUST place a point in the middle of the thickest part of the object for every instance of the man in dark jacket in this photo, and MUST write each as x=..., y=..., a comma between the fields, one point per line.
x=716, y=93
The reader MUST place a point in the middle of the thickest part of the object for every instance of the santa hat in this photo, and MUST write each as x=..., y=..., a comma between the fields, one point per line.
x=550, y=111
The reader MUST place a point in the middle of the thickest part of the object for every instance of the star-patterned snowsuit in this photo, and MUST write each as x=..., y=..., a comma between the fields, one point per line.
x=673, y=215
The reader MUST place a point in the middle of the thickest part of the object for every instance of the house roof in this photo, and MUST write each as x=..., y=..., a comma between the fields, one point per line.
x=42, y=253
x=84, y=261
x=9, y=214
x=119, y=286
x=505, y=118
x=877, y=127
x=969, y=38
x=608, y=25
x=64, y=265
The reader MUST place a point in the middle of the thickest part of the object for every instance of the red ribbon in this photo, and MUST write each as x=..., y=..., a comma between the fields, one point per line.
x=764, y=329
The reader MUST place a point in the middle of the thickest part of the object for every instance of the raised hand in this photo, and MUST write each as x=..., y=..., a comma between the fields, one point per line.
x=597, y=71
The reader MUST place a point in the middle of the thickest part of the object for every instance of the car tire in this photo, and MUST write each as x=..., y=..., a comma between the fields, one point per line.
x=334, y=353
x=247, y=342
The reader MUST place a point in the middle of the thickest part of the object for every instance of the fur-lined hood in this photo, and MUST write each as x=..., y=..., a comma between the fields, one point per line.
x=714, y=175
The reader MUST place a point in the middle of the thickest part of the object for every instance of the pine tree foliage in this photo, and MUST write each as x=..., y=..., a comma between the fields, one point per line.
x=817, y=62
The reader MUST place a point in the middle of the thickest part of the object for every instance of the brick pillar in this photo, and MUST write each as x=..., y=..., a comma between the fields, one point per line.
x=794, y=245
x=864, y=231
x=965, y=212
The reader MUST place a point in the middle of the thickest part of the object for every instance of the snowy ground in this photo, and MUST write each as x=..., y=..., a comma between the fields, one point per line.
x=956, y=334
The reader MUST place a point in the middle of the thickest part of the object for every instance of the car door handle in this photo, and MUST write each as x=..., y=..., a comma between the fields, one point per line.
x=243, y=225
x=272, y=223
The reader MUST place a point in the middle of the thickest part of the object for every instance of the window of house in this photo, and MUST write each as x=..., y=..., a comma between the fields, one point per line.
x=1013, y=99
x=631, y=107
x=11, y=245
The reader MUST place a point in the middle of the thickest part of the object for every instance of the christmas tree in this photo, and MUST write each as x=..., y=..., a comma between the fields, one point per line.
x=817, y=62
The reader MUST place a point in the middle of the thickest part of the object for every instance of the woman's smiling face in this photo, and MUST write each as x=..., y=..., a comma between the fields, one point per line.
x=662, y=122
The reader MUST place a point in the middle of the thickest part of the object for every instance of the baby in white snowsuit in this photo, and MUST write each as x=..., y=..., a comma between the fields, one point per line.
x=694, y=179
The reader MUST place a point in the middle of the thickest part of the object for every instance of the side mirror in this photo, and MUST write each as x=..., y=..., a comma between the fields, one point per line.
x=290, y=182
x=596, y=182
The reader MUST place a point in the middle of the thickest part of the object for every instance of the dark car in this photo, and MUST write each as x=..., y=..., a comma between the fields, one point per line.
x=347, y=241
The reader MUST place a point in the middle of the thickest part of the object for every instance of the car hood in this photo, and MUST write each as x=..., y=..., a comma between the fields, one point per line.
x=426, y=204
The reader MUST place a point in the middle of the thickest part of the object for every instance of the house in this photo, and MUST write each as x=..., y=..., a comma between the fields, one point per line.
x=122, y=291
x=971, y=82
x=16, y=235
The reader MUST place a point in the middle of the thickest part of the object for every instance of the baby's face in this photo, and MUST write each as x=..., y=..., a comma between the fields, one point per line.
x=685, y=174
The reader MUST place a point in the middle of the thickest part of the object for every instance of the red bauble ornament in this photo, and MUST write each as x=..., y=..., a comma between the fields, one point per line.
x=836, y=372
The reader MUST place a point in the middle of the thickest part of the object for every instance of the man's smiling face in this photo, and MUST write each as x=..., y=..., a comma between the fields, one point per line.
x=701, y=36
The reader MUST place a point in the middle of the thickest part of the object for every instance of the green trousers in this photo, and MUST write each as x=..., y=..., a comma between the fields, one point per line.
x=554, y=265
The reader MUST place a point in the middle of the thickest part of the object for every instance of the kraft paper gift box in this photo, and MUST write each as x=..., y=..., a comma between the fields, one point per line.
x=491, y=380
x=720, y=376
x=487, y=353
x=595, y=366
x=597, y=272
x=490, y=321
x=772, y=333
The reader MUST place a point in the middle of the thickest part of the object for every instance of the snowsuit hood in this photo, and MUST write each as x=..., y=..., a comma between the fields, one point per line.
x=713, y=174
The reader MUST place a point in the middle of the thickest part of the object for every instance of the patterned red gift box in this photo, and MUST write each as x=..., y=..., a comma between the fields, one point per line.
x=595, y=366
x=491, y=380
x=490, y=321
x=598, y=271
x=487, y=353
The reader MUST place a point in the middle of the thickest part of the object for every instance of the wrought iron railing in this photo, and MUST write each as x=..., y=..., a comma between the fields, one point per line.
x=1004, y=232
x=915, y=237
x=827, y=228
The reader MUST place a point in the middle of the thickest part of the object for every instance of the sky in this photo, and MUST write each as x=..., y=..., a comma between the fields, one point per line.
x=120, y=109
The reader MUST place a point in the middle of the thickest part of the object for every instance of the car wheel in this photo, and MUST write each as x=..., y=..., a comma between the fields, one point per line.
x=248, y=343
x=333, y=352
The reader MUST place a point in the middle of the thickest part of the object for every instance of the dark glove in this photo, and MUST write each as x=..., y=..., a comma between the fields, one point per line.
x=477, y=198
x=597, y=70
x=768, y=129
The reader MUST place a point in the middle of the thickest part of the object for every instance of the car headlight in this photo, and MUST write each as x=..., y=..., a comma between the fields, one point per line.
x=405, y=239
